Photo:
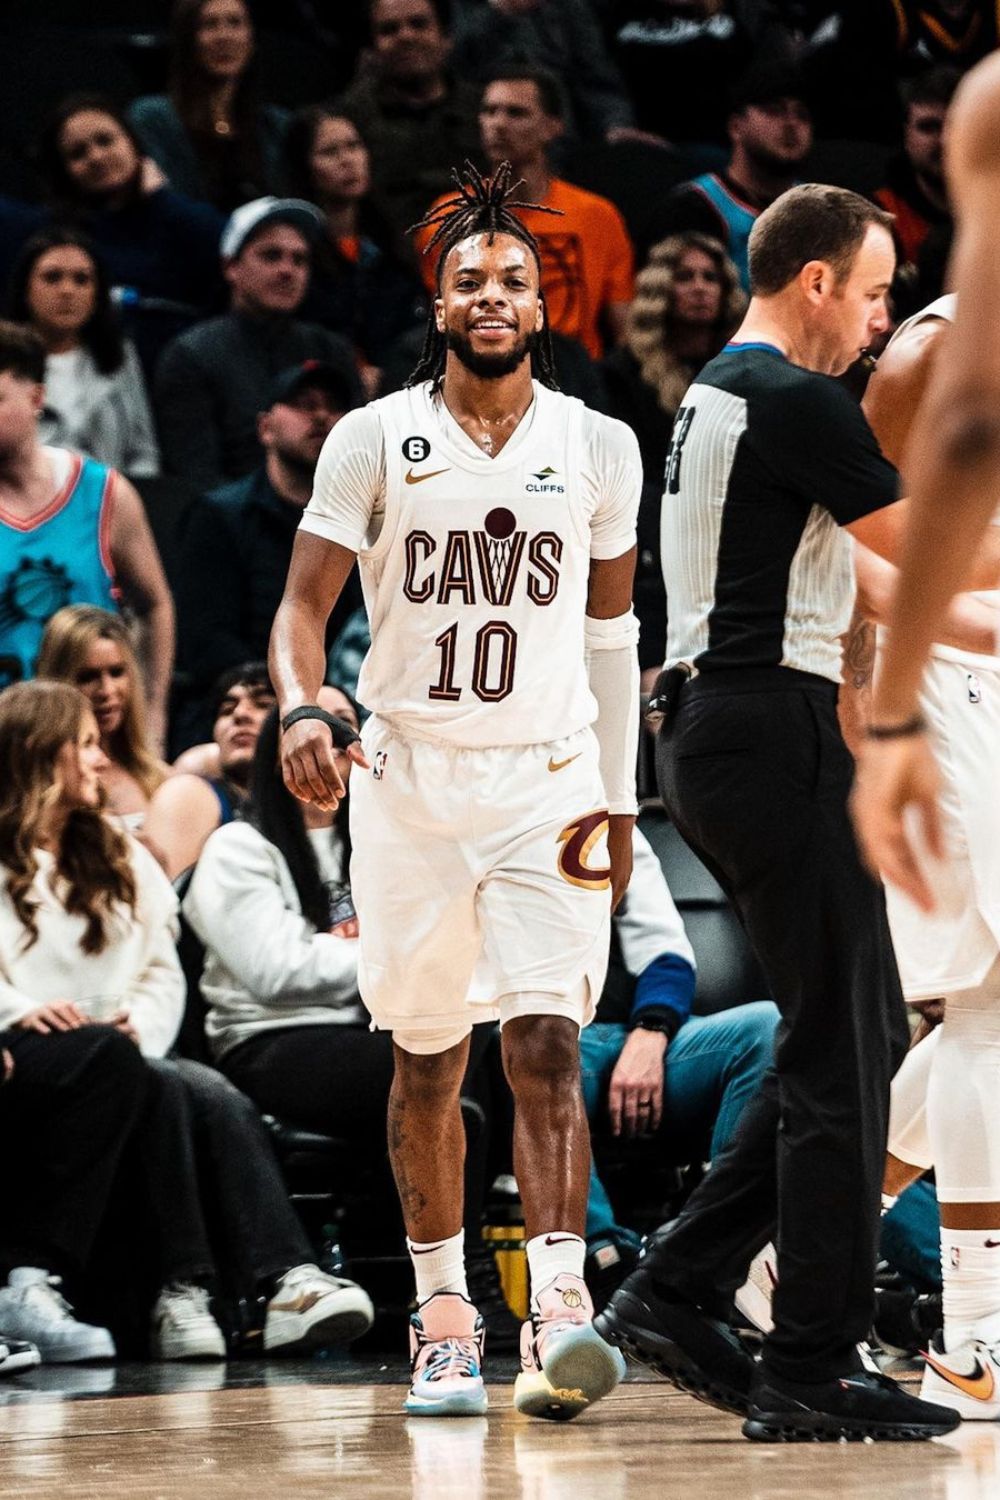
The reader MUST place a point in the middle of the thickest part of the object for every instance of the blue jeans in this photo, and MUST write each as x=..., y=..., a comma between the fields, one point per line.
x=713, y=1067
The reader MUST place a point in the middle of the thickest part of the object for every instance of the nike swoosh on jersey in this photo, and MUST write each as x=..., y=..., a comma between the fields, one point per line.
x=980, y=1384
x=412, y=478
x=557, y=765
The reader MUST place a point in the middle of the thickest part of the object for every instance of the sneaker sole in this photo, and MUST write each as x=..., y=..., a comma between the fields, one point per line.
x=459, y=1404
x=668, y=1359
x=97, y=1352
x=169, y=1349
x=933, y=1388
x=579, y=1370
x=781, y=1428
x=284, y=1332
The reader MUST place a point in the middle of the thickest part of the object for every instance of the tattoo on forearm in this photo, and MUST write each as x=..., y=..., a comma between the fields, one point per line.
x=859, y=653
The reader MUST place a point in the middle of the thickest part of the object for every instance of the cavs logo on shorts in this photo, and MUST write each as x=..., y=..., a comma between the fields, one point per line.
x=578, y=839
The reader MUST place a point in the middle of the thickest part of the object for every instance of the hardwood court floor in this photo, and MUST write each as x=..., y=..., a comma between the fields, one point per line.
x=318, y=1435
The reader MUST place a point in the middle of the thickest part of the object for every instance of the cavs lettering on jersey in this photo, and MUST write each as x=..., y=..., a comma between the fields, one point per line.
x=475, y=570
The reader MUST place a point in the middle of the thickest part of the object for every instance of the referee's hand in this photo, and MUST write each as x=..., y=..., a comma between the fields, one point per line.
x=313, y=770
x=893, y=777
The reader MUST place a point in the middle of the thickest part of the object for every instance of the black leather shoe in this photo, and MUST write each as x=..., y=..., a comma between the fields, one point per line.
x=857, y=1407
x=696, y=1352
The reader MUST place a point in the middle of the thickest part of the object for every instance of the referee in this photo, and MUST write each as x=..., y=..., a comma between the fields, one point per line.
x=772, y=463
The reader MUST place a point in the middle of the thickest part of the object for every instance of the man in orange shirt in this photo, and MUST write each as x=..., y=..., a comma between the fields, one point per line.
x=587, y=260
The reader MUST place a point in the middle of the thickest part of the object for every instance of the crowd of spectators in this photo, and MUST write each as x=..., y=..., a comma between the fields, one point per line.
x=204, y=266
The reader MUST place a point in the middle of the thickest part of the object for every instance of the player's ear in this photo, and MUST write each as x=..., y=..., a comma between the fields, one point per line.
x=540, y=315
x=439, y=314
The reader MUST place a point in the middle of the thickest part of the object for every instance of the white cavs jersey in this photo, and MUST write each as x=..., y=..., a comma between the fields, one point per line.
x=475, y=569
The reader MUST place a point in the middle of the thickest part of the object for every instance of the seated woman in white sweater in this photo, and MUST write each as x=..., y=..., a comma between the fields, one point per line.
x=271, y=902
x=87, y=923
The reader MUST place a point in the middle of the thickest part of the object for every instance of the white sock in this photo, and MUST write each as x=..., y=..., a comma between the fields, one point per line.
x=970, y=1270
x=439, y=1266
x=552, y=1255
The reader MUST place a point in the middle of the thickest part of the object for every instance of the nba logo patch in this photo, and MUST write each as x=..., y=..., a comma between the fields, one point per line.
x=378, y=765
x=975, y=688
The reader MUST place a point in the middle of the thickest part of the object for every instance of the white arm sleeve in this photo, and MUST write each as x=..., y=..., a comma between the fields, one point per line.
x=348, y=498
x=613, y=669
x=611, y=476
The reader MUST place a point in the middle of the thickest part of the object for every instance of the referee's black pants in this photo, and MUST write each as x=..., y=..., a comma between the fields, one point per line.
x=755, y=774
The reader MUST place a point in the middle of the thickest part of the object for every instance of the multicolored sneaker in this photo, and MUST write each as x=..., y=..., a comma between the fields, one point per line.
x=446, y=1359
x=565, y=1364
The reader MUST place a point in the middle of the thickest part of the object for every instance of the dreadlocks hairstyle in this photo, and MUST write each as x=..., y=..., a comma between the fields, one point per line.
x=482, y=205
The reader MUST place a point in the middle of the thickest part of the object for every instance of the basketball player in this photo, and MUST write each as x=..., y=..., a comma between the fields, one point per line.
x=954, y=952
x=494, y=523
x=955, y=463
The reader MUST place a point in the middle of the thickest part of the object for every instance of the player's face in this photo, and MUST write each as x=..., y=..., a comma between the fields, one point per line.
x=97, y=153
x=776, y=135
x=20, y=403
x=271, y=273
x=79, y=766
x=923, y=137
x=512, y=123
x=858, y=305
x=62, y=291
x=224, y=38
x=105, y=682
x=237, y=726
x=697, y=295
x=338, y=162
x=489, y=308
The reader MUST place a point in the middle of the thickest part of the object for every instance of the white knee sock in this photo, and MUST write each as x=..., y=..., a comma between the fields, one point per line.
x=555, y=1254
x=970, y=1269
x=439, y=1266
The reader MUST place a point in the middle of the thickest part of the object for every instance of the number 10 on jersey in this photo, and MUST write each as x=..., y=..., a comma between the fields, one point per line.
x=493, y=665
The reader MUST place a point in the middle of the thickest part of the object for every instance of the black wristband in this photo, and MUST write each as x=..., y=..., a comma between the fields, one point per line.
x=344, y=734
x=916, y=725
x=660, y=1018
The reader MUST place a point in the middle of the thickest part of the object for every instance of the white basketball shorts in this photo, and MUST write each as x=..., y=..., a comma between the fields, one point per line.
x=955, y=947
x=478, y=876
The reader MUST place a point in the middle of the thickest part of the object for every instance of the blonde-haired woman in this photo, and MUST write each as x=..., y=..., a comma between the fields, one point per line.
x=87, y=922
x=688, y=301
x=91, y=648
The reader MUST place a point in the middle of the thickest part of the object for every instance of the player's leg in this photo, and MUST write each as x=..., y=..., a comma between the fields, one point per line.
x=963, y=1116
x=565, y=1364
x=427, y=1151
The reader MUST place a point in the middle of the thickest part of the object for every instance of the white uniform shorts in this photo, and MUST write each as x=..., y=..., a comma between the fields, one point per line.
x=955, y=947
x=481, y=882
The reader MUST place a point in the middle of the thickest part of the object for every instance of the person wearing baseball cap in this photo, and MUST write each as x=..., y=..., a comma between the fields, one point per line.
x=237, y=539
x=213, y=380
x=770, y=130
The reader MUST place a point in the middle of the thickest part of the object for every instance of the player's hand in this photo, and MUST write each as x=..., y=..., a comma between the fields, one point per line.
x=61, y=1015
x=120, y=1021
x=312, y=768
x=620, y=827
x=635, y=1094
x=894, y=775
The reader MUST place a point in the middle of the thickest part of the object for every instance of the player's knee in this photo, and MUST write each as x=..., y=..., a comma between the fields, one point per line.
x=431, y=1078
x=541, y=1051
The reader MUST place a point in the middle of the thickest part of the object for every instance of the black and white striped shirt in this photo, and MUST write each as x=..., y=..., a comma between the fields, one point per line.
x=768, y=462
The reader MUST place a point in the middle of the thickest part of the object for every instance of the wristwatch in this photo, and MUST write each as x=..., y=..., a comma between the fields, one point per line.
x=656, y=1018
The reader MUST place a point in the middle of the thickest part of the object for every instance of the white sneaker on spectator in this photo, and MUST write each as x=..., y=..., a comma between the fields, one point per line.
x=310, y=1309
x=183, y=1326
x=17, y=1355
x=33, y=1308
x=754, y=1297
